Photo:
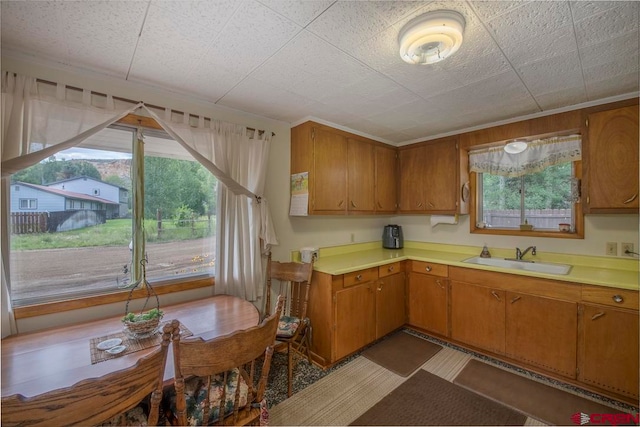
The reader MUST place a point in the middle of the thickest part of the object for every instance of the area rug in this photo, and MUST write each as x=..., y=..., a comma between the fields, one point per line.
x=428, y=400
x=540, y=401
x=401, y=353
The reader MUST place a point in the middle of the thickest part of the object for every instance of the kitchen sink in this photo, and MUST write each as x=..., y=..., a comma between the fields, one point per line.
x=539, y=267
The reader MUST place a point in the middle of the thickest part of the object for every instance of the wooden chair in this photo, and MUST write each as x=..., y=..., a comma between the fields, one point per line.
x=294, y=329
x=96, y=400
x=221, y=374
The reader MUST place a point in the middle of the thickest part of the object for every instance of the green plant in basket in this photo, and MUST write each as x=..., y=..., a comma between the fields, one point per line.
x=152, y=314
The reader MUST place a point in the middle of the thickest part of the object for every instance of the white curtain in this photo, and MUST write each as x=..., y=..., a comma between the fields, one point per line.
x=244, y=229
x=38, y=123
x=539, y=155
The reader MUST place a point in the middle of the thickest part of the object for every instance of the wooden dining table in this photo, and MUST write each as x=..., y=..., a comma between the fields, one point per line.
x=38, y=362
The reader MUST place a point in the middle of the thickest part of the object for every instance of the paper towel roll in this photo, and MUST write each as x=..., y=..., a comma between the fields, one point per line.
x=443, y=219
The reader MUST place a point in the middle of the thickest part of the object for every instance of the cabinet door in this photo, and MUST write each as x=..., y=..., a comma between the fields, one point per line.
x=428, y=303
x=385, y=180
x=442, y=176
x=355, y=324
x=390, y=304
x=330, y=172
x=478, y=316
x=412, y=164
x=542, y=332
x=361, y=163
x=608, y=349
x=612, y=163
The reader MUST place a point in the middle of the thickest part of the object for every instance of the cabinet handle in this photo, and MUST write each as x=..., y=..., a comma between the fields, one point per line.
x=419, y=204
x=597, y=315
x=428, y=268
x=359, y=277
x=431, y=205
x=390, y=269
x=515, y=299
x=631, y=199
x=439, y=283
x=381, y=285
x=618, y=299
x=495, y=294
x=353, y=205
x=340, y=203
x=379, y=205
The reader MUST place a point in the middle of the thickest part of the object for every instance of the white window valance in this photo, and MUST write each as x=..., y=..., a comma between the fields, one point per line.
x=539, y=155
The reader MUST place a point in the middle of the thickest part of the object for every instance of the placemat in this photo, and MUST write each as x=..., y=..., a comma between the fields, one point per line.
x=132, y=344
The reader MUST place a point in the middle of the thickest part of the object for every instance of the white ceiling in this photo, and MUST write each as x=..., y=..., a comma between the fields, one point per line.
x=337, y=61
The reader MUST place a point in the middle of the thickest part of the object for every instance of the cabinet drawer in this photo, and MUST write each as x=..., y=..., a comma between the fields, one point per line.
x=389, y=269
x=610, y=296
x=361, y=276
x=430, y=268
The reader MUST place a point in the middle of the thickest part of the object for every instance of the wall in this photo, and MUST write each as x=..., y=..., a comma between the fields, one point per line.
x=296, y=232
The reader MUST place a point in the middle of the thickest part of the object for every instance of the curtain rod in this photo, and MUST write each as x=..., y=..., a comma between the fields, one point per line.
x=135, y=102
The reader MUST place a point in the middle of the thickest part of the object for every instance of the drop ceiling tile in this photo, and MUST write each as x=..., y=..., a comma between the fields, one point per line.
x=169, y=48
x=210, y=83
x=300, y=12
x=562, y=98
x=251, y=36
x=553, y=43
x=617, y=85
x=608, y=70
x=209, y=16
x=552, y=74
x=394, y=11
x=611, y=23
x=34, y=28
x=584, y=9
x=488, y=10
x=610, y=51
x=531, y=20
x=347, y=23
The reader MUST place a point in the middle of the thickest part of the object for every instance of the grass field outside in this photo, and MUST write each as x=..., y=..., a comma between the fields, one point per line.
x=115, y=232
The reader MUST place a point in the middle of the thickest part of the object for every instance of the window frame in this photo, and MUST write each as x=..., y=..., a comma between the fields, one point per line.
x=161, y=287
x=577, y=212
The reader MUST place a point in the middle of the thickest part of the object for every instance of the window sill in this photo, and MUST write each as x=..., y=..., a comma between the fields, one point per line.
x=527, y=233
x=162, y=288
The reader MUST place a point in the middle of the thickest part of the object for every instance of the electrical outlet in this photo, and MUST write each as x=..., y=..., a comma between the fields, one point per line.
x=612, y=248
x=627, y=249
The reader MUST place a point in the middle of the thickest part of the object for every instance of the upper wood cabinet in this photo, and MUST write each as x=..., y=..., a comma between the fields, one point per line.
x=348, y=174
x=611, y=161
x=429, y=177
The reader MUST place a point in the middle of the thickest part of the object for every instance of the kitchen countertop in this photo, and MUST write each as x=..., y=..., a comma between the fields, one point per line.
x=600, y=271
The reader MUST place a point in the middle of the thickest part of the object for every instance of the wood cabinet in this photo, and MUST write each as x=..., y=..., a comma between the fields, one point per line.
x=429, y=297
x=386, y=200
x=478, y=316
x=355, y=318
x=348, y=174
x=608, y=340
x=611, y=161
x=349, y=311
x=390, y=299
x=542, y=332
x=429, y=177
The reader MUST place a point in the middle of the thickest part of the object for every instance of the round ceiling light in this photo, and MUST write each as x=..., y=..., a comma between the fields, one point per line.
x=431, y=37
x=515, y=147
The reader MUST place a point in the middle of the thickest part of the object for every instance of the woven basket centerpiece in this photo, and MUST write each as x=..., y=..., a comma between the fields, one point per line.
x=145, y=323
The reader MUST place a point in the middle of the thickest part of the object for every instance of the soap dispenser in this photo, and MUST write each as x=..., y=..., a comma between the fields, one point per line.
x=485, y=252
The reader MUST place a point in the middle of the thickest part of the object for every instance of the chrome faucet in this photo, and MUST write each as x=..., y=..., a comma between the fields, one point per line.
x=520, y=254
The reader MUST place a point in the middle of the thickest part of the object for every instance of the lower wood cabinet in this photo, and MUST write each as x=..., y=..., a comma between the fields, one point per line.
x=349, y=311
x=429, y=297
x=608, y=349
x=355, y=314
x=478, y=316
x=542, y=332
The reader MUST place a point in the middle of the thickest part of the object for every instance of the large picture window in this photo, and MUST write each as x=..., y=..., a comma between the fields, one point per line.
x=90, y=251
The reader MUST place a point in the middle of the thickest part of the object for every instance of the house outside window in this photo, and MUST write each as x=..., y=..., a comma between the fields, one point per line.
x=178, y=227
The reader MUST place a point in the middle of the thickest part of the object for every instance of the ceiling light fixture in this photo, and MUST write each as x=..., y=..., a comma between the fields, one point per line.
x=431, y=37
x=515, y=147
